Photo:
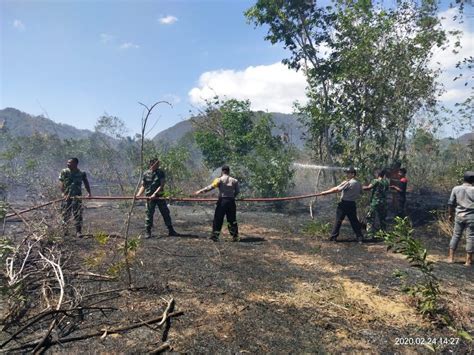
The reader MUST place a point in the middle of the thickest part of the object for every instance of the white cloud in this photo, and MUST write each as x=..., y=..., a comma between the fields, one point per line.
x=272, y=88
x=447, y=59
x=106, y=38
x=167, y=20
x=20, y=26
x=129, y=45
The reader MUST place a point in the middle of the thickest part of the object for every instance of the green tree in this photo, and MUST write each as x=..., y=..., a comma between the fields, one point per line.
x=223, y=131
x=367, y=72
x=229, y=132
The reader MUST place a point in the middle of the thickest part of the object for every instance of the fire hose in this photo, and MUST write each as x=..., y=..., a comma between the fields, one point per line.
x=176, y=199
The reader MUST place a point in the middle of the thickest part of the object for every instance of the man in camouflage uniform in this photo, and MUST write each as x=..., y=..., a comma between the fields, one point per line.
x=71, y=180
x=225, y=207
x=378, y=203
x=153, y=185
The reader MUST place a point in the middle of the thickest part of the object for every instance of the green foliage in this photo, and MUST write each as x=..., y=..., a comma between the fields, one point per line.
x=365, y=90
x=6, y=248
x=436, y=164
x=426, y=293
x=229, y=132
x=102, y=238
x=3, y=209
x=317, y=229
x=132, y=245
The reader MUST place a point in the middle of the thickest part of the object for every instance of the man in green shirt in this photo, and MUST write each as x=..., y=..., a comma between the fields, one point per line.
x=378, y=203
x=153, y=185
x=71, y=180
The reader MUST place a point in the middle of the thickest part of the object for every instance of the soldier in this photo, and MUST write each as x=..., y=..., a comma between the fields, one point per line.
x=461, y=205
x=378, y=203
x=228, y=190
x=153, y=185
x=71, y=180
x=351, y=190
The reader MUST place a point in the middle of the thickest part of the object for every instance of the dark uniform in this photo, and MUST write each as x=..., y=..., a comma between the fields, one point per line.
x=351, y=190
x=225, y=207
x=151, y=182
x=72, y=182
x=378, y=205
x=402, y=196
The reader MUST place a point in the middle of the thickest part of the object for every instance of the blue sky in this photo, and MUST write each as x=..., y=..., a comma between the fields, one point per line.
x=76, y=60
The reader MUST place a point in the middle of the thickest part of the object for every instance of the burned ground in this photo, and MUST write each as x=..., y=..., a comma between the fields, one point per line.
x=277, y=290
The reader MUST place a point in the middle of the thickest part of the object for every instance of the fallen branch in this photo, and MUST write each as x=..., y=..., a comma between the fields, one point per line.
x=40, y=316
x=167, y=310
x=99, y=333
x=115, y=290
x=161, y=348
x=87, y=273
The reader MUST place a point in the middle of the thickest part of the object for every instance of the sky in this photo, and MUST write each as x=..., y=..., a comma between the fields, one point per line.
x=73, y=61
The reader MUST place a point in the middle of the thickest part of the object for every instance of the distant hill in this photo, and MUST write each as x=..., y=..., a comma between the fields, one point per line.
x=285, y=124
x=18, y=123
x=466, y=138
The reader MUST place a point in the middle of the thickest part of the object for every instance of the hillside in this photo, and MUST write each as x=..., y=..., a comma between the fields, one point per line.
x=285, y=124
x=18, y=123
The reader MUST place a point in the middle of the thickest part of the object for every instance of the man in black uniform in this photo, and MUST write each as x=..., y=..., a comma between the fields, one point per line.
x=351, y=190
x=228, y=190
x=153, y=185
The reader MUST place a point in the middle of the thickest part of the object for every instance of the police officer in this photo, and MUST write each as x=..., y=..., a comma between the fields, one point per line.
x=153, y=184
x=351, y=190
x=71, y=180
x=228, y=190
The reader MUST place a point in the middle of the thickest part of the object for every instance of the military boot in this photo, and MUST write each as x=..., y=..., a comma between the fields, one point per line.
x=172, y=232
x=214, y=236
x=148, y=234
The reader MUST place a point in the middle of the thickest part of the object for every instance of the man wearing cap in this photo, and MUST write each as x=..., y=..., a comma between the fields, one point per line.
x=153, y=185
x=351, y=190
x=228, y=190
x=461, y=210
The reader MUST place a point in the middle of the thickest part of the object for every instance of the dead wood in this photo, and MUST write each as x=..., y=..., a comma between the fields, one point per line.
x=99, y=333
x=161, y=348
x=37, y=318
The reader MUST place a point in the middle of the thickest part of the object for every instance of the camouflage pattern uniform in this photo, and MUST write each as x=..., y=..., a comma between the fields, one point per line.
x=378, y=205
x=151, y=182
x=72, y=183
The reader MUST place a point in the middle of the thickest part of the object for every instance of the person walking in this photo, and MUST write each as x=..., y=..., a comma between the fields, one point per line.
x=351, y=190
x=378, y=203
x=461, y=210
x=228, y=190
x=71, y=180
x=153, y=185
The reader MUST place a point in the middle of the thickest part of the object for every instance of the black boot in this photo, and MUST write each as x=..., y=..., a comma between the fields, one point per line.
x=148, y=234
x=172, y=232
